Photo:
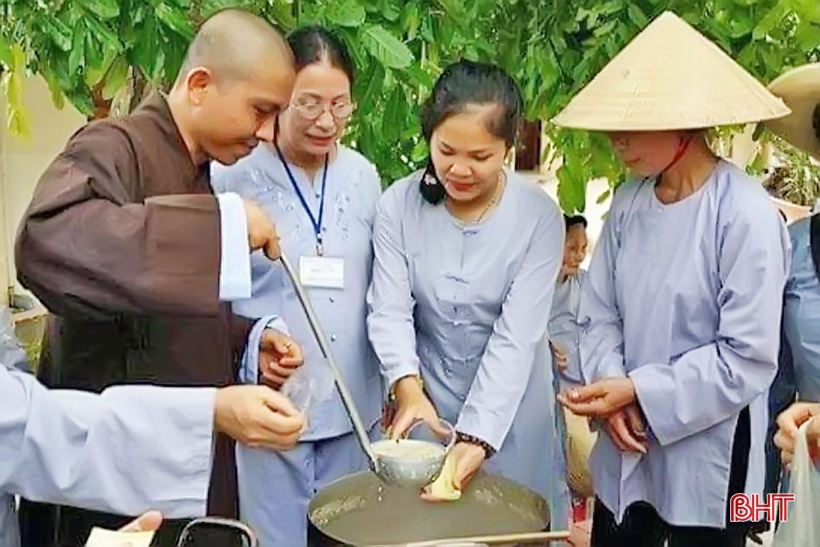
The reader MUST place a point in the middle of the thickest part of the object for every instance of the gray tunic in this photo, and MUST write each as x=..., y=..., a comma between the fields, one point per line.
x=466, y=307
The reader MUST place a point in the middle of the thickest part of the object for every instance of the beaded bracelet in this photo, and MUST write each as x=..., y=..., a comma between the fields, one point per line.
x=489, y=451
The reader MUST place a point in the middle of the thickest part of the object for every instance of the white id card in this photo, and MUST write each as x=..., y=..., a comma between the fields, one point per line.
x=109, y=538
x=320, y=271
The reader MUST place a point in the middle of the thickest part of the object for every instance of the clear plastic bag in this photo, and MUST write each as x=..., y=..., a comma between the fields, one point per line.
x=11, y=352
x=309, y=386
x=802, y=529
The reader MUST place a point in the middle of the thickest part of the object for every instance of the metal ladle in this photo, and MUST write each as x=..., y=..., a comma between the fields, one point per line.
x=388, y=471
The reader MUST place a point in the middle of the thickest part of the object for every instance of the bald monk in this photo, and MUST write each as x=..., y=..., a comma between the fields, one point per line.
x=136, y=259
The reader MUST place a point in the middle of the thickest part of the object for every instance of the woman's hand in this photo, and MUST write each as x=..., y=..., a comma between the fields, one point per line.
x=412, y=405
x=789, y=423
x=468, y=460
x=627, y=429
x=279, y=357
x=613, y=401
x=601, y=398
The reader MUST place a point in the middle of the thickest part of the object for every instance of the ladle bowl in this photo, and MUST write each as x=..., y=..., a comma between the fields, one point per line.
x=390, y=471
x=415, y=471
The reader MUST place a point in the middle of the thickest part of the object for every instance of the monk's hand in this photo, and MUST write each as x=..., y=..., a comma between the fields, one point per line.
x=147, y=522
x=261, y=231
x=627, y=429
x=279, y=357
x=788, y=424
x=412, y=405
x=601, y=398
x=560, y=356
x=467, y=460
x=258, y=417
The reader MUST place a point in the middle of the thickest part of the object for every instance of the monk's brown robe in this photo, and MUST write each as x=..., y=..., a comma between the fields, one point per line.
x=121, y=243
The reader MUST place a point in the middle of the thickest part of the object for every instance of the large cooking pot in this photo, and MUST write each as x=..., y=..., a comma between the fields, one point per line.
x=358, y=511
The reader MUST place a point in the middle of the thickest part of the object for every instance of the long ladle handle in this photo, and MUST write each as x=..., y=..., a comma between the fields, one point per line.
x=496, y=539
x=347, y=398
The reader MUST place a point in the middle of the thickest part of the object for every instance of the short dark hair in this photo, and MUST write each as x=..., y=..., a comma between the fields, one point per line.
x=315, y=44
x=572, y=220
x=460, y=85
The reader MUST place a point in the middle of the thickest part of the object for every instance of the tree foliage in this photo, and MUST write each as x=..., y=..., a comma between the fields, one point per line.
x=86, y=49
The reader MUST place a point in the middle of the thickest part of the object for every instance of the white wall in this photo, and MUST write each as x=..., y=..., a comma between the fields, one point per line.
x=23, y=160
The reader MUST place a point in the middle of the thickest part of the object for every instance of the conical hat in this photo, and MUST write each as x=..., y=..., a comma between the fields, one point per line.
x=670, y=77
x=800, y=89
x=578, y=444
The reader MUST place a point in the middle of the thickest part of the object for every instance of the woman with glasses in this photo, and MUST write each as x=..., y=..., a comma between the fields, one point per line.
x=323, y=198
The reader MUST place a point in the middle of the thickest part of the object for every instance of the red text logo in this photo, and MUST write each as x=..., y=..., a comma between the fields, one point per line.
x=743, y=508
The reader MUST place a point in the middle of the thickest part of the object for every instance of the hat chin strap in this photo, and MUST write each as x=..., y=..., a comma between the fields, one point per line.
x=683, y=146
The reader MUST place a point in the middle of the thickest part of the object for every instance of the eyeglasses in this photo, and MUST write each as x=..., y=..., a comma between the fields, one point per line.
x=311, y=110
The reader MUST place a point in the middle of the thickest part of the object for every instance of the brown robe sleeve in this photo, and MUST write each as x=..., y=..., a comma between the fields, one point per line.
x=86, y=248
x=240, y=330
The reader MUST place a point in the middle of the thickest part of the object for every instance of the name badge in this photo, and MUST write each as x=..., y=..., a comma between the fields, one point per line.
x=320, y=271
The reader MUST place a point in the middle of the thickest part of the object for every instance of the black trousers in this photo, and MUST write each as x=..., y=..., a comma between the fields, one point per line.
x=643, y=527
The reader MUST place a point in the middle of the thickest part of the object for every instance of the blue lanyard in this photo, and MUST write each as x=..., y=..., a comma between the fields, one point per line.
x=317, y=222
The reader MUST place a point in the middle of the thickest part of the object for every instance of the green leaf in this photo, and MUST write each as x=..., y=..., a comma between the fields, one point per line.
x=96, y=64
x=375, y=80
x=741, y=27
x=571, y=189
x=420, y=76
x=311, y=13
x=453, y=8
x=76, y=59
x=145, y=46
x=411, y=19
x=5, y=51
x=174, y=19
x=281, y=12
x=55, y=87
x=427, y=32
x=808, y=37
x=637, y=16
x=105, y=35
x=770, y=21
x=17, y=118
x=389, y=10
x=59, y=32
x=420, y=151
x=385, y=47
x=395, y=114
x=80, y=97
x=104, y=9
x=117, y=77
x=345, y=13
x=174, y=55
x=605, y=29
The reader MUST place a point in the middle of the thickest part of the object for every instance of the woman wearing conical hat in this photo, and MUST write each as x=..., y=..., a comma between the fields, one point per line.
x=800, y=90
x=680, y=312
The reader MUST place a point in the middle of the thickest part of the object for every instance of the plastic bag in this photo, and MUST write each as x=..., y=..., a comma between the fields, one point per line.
x=11, y=352
x=802, y=529
x=310, y=385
